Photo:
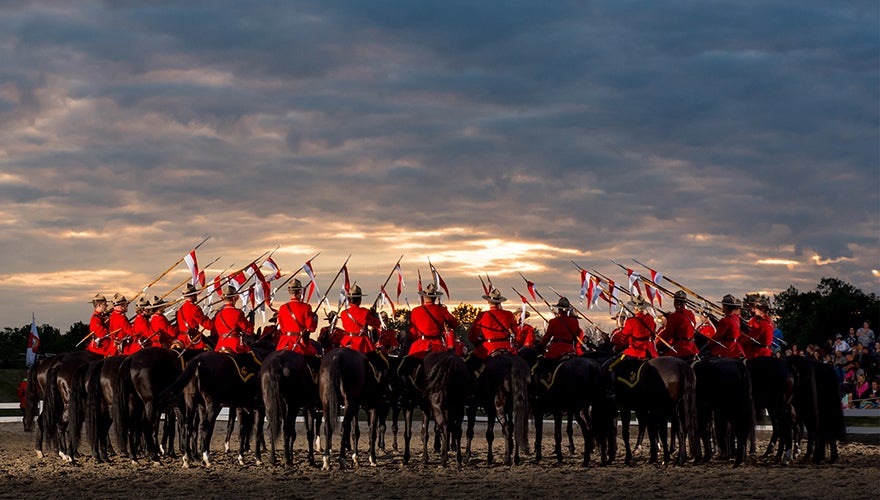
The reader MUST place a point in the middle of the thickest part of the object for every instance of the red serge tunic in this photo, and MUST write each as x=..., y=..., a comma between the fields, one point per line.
x=163, y=329
x=119, y=324
x=639, y=330
x=230, y=324
x=355, y=319
x=190, y=319
x=760, y=329
x=101, y=341
x=296, y=321
x=679, y=333
x=562, y=333
x=495, y=325
x=727, y=333
x=140, y=331
x=429, y=322
x=525, y=336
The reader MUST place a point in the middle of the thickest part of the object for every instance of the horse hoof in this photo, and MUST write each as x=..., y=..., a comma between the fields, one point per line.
x=354, y=459
x=259, y=462
x=326, y=465
x=39, y=454
x=241, y=460
x=185, y=463
x=786, y=458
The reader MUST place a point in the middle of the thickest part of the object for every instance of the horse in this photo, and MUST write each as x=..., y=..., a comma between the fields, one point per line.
x=817, y=407
x=136, y=412
x=576, y=387
x=212, y=380
x=658, y=390
x=448, y=385
x=774, y=382
x=34, y=393
x=288, y=386
x=63, y=377
x=99, y=381
x=502, y=388
x=392, y=405
x=724, y=391
x=348, y=377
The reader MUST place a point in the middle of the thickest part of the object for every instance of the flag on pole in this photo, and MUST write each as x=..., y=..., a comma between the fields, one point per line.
x=531, y=287
x=400, y=283
x=634, y=282
x=345, y=282
x=193, y=266
x=307, y=268
x=217, y=288
x=586, y=282
x=276, y=271
x=655, y=276
x=33, y=346
x=261, y=288
x=522, y=314
x=387, y=300
x=439, y=280
x=652, y=294
x=202, y=278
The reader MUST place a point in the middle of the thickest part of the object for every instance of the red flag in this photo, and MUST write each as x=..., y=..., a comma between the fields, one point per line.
x=387, y=299
x=202, y=278
x=400, y=283
x=655, y=276
x=531, y=287
x=633, y=282
x=522, y=315
x=193, y=265
x=345, y=281
x=261, y=294
x=276, y=271
x=439, y=280
x=485, y=288
x=586, y=286
x=217, y=287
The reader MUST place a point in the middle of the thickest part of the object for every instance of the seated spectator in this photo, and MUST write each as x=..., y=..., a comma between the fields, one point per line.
x=872, y=399
x=840, y=345
x=851, y=338
x=861, y=389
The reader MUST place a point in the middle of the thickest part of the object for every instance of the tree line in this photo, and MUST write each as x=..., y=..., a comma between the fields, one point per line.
x=809, y=317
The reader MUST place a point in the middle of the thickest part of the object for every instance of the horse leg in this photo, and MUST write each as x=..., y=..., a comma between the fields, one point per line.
x=407, y=433
x=506, y=425
x=328, y=440
x=312, y=424
x=625, y=416
x=289, y=434
x=663, y=437
x=437, y=443
x=586, y=431
x=425, y=413
x=570, y=430
x=206, y=430
x=557, y=435
x=490, y=434
x=373, y=415
x=538, y=415
x=469, y=432
x=230, y=426
x=259, y=441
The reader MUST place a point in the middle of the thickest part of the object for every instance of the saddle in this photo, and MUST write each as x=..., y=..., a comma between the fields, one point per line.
x=548, y=378
x=374, y=358
x=629, y=374
x=246, y=364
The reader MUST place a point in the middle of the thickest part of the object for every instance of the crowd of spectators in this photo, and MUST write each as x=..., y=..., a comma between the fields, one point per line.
x=856, y=359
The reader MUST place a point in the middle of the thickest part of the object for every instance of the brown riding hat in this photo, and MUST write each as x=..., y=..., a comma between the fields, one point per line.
x=495, y=297
x=430, y=291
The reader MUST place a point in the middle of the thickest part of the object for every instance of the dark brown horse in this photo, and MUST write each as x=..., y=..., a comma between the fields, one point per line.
x=288, y=387
x=774, y=383
x=503, y=390
x=63, y=376
x=817, y=407
x=36, y=392
x=448, y=385
x=659, y=390
x=347, y=377
x=100, y=379
x=724, y=396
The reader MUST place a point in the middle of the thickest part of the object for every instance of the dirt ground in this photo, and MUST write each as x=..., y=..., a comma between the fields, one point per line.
x=23, y=475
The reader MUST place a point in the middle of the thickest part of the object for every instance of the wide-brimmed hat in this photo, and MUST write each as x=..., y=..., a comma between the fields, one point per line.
x=229, y=292
x=730, y=301
x=563, y=303
x=142, y=302
x=495, y=297
x=295, y=286
x=99, y=297
x=761, y=303
x=156, y=302
x=190, y=290
x=355, y=291
x=119, y=299
x=430, y=291
x=680, y=296
x=638, y=303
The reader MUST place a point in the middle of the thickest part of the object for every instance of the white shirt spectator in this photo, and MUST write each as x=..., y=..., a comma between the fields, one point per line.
x=840, y=345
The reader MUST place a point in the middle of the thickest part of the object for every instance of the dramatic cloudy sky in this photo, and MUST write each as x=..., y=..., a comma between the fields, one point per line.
x=731, y=145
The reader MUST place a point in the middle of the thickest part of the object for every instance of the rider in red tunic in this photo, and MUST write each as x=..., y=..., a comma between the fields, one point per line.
x=120, y=326
x=680, y=328
x=163, y=330
x=760, y=329
x=296, y=322
x=232, y=326
x=639, y=330
x=429, y=323
x=525, y=335
x=140, y=328
x=355, y=322
x=727, y=331
x=563, y=332
x=191, y=322
x=100, y=341
x=492, y=329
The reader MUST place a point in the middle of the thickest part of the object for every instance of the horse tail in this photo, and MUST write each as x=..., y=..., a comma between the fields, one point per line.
x=271, y=382
x=53, y=404
x=122, y=392
x=31, y=397
x=87, y=390
x=751, y=420
x=329, y=392
x=171, y=393
x=438, y=379
x=689, y=407
x=520, y=377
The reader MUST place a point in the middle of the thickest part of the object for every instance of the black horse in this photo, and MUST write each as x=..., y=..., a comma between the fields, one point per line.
x=349, y=378
x=659, y=390
x=774, y=382
x=577, y=386
x=210, y=381
x=817, y=407
x=34, y=393
x=503, y=390
x=99, y=384
x=392, y=405
x=288, y=387
x=136, y=411
x=724, y=396
x=63, y=376
x=448, y=385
